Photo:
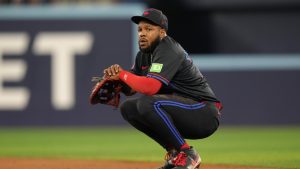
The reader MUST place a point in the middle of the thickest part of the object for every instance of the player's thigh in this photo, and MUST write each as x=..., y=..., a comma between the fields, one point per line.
x=192, y=119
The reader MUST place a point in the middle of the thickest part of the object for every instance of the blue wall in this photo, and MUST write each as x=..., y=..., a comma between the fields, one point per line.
x=49, y=54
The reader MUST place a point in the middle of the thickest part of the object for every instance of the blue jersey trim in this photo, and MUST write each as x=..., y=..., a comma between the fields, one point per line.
x=158, y=78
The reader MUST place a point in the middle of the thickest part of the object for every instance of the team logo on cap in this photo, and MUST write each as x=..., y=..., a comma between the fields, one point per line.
x=146, y=13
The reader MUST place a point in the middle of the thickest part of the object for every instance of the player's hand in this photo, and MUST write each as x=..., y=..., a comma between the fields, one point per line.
x=108, y=71
x=113, y=71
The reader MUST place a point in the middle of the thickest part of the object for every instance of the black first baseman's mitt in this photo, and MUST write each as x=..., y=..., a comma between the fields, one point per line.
x=106, y=91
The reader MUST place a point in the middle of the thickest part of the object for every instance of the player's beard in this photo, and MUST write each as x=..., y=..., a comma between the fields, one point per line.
x=152, y=46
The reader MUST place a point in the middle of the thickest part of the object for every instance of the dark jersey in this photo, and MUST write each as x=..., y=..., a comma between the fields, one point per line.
x=170, y=64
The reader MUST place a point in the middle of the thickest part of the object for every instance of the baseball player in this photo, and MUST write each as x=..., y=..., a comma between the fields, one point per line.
x=176, y=102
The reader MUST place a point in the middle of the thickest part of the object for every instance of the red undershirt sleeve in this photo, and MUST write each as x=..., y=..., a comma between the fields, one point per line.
x=141, y=84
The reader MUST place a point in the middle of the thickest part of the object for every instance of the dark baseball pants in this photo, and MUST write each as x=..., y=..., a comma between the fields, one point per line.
x=169, y=119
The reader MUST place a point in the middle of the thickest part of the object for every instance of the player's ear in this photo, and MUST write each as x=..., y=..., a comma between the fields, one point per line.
x=162, y=33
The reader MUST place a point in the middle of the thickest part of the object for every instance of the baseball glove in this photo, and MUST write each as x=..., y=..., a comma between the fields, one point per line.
x=106, y=91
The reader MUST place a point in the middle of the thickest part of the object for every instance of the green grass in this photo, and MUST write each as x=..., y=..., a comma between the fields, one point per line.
x=265, y=146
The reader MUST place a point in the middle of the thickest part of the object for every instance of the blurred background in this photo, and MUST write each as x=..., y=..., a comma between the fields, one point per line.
x=249, y=50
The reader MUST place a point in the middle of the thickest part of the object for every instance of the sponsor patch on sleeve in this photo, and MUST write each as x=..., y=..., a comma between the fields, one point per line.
x=156, y=67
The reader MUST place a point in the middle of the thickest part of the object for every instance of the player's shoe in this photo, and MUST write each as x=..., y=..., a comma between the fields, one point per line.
x=168, y=160
x=187, y=159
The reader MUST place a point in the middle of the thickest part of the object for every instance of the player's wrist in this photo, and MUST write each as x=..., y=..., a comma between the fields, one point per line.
x=122, y=74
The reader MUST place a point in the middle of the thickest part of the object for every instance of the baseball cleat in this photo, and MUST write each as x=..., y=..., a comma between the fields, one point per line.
x=170, y=155
x=187, y=159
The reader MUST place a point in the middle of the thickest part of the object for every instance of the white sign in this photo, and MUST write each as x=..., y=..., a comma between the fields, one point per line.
x=61, y=46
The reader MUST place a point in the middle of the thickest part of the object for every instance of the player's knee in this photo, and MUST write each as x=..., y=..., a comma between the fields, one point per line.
x=124, y=110
x=145, y=105
x=127, y=110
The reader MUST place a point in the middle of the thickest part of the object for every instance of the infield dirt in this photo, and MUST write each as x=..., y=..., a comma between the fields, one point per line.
x=21, y=163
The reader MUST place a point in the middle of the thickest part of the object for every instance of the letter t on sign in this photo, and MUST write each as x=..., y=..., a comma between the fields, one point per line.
x=63, y=46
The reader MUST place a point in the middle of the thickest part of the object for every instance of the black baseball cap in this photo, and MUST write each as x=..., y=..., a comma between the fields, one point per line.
x=153, y=15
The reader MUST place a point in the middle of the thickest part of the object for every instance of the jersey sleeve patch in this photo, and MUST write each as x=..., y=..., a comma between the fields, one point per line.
x=156, y=67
